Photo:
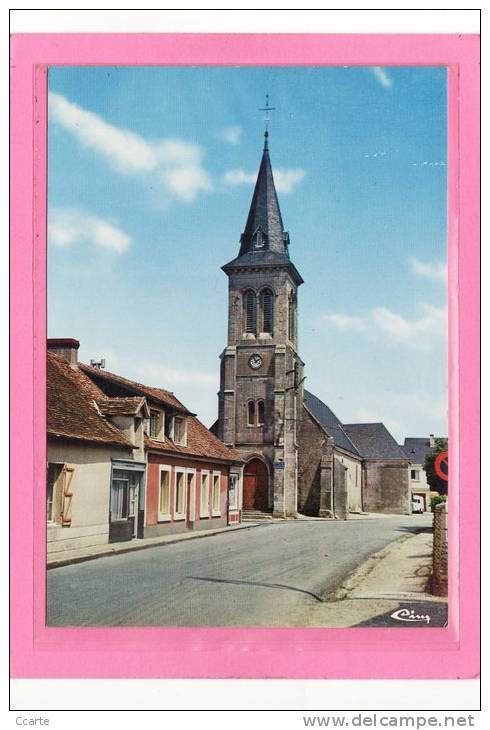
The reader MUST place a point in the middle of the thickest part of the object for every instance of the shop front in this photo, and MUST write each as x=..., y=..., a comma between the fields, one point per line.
x=127, y=502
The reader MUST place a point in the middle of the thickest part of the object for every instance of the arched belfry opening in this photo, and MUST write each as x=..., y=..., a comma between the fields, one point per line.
x=256, y=485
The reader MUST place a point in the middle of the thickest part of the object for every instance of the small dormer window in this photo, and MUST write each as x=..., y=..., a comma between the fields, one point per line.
x=156, y=424
x=259, y=240
x=179, y=431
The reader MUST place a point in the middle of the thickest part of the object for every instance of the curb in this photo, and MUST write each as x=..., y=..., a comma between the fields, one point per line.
x=134, y=548
x=362, y=571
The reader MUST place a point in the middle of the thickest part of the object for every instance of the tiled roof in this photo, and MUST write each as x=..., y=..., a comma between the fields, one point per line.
x=200, y=442
x=374, y=441
x=416, y=449
x=71, y=409
x=329, y=421
x=128, y=406
x=115, y=385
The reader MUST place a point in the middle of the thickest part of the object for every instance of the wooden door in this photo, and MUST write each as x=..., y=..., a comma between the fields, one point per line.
x=256, y=486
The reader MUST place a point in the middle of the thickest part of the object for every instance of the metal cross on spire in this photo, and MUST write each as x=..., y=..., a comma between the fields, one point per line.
x=267, y=118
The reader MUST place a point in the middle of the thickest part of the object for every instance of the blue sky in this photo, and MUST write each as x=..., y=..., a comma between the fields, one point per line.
x=151, y=174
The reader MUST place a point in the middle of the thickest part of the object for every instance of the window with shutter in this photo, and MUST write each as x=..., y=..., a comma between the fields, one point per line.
x=55, y=484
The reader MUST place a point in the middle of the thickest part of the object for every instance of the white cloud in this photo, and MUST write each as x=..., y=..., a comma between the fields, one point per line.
x=70, y=226
x=177, y=162
x=285, y=179
x=238, y=177
x=432, y=324
x=422, y=331
x=232, y=134
x=345, y=321
x=399, y=410
x=382, y=76
x=436, y=270
x=170, y=378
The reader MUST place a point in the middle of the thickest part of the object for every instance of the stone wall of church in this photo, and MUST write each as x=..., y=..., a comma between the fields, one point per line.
x=340, y=490
x=311, y=442
x=254, y=389
x=353, y=476
x=386, y=487
x=280, y=282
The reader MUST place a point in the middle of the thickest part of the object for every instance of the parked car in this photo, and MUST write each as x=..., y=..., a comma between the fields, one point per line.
x=417, y=505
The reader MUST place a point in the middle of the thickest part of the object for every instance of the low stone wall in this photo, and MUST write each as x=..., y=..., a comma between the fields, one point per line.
x=439, y=566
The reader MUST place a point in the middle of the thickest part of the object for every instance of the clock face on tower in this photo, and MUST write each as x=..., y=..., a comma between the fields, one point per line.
x=255, y=362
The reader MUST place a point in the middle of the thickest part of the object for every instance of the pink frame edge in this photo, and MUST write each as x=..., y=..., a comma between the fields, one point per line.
x=359, y=653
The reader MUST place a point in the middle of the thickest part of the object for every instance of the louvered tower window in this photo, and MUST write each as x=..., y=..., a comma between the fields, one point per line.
x=267, y=311
x=250, y=311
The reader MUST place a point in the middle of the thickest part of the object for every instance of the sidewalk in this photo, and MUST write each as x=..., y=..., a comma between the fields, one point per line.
x=79, y=555
x=394, y=581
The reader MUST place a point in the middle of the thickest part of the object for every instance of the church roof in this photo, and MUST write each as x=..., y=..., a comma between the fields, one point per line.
x=374, y=441
x=416, y=449
x=329, y=421
x=265, y=222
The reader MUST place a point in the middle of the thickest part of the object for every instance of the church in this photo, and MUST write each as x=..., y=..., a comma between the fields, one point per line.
x=299, y=458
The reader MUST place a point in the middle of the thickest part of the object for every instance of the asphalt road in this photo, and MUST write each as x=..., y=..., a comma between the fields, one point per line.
x=265, y=576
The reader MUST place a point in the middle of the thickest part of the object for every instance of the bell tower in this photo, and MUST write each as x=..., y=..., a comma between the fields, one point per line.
x=261, y=391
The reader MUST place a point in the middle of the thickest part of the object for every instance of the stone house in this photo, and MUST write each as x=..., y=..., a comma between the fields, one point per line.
x=193, y=481
x=86, y=452
x=416, y=449
x=126, y=460
x=386, y=485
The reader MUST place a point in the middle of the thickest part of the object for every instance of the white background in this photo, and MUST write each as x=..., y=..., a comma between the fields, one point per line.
x=31, y=697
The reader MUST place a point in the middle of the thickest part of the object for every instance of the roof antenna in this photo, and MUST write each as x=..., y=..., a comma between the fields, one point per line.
x=267, y=119
x=98, y=364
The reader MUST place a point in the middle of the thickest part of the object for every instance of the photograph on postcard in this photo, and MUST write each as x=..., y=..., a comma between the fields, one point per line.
x=247, y=343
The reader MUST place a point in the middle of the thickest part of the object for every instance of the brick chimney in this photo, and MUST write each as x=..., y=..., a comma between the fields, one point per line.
x=67, y=347
x=432, y=440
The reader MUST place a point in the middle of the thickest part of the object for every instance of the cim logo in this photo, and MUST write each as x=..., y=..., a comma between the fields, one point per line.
x=404, y=614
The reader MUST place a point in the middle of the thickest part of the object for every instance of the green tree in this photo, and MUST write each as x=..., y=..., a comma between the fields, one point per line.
x=435, y=482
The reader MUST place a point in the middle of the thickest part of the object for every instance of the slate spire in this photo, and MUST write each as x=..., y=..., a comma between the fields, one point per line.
x=264, y=230
x=264, y=241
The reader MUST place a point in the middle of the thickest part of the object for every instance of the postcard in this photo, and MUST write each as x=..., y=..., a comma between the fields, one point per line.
x=253, y=374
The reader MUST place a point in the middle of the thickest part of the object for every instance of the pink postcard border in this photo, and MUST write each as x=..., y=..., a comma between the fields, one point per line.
x=39, y=651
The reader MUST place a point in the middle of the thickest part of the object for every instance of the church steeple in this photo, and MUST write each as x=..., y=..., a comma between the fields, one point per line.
x=264, y=240
x=264, y=215
x=260, y=396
